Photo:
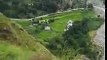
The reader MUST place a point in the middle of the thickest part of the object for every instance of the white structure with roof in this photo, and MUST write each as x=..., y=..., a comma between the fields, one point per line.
x=47, y=28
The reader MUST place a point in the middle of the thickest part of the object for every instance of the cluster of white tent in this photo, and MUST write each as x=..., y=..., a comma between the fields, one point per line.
x=69, y=24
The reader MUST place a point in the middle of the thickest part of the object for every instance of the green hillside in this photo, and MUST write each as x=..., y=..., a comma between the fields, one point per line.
x=51, y=29
x=17, y=44
x=73, y=44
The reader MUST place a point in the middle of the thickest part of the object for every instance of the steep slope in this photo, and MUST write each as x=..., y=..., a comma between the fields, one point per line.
x=16, y=44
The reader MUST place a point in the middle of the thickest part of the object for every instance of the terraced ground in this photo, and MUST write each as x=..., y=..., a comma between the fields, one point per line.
x=60, y=22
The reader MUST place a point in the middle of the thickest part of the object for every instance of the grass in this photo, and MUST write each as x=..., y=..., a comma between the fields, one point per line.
x=23, y=23
x=95, y=23
x=92, y=33
x=11, y=52
x=17, y=44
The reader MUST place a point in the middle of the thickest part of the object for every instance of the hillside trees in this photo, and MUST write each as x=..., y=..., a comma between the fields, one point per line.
x=27, y=8
x=46, y=5
x=32, y=8
x=13, y=8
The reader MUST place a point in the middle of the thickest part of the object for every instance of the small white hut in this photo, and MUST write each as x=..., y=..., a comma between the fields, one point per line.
x=47, y=28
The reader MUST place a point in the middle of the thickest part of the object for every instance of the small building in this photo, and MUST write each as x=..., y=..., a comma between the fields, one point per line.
x=47, y=28
x=34, y=22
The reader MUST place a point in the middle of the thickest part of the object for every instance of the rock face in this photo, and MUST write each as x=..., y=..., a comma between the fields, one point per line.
x=99, y=39
x=69, y=2
x=81, y=57
x=96, y=3
x=84, y=58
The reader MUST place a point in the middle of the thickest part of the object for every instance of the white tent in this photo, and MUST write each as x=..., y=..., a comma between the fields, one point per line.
x=69, y=24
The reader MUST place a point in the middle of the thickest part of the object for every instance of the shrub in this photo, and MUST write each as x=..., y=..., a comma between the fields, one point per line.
x=51, y=20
